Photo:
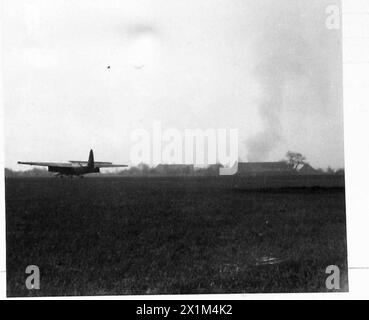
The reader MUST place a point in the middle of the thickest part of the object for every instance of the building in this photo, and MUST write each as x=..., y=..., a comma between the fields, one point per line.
x=307, y=169
x=174, y=169
x=264, y=168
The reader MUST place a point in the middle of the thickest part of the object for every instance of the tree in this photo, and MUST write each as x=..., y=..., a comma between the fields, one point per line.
x=295, y=159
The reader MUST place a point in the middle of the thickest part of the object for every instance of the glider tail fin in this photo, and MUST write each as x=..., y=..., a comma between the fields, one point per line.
x=91, y=162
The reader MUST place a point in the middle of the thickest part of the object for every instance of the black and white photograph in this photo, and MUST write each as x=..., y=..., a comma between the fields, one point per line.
x=167, y=147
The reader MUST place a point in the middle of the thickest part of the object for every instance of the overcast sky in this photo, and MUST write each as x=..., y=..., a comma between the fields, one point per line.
x=270, y=68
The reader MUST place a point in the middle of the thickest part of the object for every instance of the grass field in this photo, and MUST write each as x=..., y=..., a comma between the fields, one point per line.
x=175, y=235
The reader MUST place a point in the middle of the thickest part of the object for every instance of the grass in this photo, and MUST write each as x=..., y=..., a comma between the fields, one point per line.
x=174, y=235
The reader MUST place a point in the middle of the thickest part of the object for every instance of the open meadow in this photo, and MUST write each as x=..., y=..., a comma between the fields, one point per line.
x=175, y=235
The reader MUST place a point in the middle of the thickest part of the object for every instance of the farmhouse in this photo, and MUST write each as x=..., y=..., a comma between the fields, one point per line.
x=307, y=169
x=273, y=168
x=174, y=169
x=264, y=168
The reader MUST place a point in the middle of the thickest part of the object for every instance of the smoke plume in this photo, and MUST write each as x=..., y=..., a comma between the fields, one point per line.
x=288, y=59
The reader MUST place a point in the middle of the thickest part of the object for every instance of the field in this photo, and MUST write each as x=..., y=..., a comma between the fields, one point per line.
x=175, y=235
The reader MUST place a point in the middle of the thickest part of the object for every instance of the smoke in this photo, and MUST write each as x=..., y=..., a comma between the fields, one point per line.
x=288, y=60
x=274, y=73
x=260, y=145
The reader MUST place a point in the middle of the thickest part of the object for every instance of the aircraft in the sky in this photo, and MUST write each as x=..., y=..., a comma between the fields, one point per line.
x=74, y=167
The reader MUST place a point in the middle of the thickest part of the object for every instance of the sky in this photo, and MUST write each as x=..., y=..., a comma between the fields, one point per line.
x=85, y=74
